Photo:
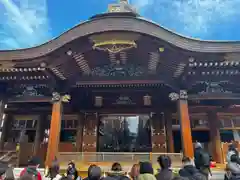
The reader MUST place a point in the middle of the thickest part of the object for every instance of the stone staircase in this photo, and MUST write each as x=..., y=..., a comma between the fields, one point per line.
x=9, y=157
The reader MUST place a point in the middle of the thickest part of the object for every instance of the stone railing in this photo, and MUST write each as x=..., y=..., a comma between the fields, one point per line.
x=116, y=157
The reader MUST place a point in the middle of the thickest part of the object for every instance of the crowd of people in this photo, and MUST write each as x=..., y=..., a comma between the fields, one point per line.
x=199, y=169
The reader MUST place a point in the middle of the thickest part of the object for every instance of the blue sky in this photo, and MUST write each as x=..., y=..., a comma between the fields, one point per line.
x=27, y=23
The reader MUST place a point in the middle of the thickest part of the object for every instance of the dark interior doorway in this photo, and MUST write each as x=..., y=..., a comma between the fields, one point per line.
x=199, y=136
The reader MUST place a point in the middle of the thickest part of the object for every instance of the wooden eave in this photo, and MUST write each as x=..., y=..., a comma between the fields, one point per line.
x=213, y=60
x=122, y=23
x=71, y=69
x=22, y=74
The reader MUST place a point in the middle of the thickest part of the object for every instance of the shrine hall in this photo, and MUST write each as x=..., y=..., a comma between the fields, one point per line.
x=119, y=86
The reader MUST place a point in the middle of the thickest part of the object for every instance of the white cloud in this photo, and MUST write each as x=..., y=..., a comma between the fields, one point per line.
x=23, y=24
x=190, y=17
x=141, y=3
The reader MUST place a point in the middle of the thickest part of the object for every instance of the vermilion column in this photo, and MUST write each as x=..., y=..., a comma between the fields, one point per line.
x=169, y=132
x=54, y=132
x=186, y=134
x=215, y=138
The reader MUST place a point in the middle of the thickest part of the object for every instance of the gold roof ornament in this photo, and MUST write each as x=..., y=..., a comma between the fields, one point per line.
x=121, y=6
x=114, y=42
x=115, y=46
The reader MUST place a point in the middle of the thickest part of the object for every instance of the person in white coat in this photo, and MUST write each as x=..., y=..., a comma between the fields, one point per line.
x=231, y=150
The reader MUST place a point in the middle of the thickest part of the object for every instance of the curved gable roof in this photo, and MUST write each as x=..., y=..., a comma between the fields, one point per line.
x=122, y=23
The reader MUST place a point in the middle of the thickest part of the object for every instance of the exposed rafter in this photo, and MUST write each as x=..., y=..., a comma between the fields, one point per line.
x=123, y=57
x=153, y=61
x=24, y=77
x=179, y=70
x=81, y=62
x=112, y=57
x=58, y=73
x=13, y=69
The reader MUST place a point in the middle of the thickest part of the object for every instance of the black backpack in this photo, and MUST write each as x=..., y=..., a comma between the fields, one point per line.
x=198, y=176
x=205, y=159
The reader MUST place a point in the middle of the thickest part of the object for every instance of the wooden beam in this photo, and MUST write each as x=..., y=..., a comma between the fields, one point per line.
x=214, y=96
x=29, y=99
x=54, y=133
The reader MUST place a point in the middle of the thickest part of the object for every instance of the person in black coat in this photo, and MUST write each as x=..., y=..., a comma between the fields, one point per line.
x=116, y=173
x=188, y=170
x=165, y=173
x=72, y=171
x=94, y=173
x=202, y=160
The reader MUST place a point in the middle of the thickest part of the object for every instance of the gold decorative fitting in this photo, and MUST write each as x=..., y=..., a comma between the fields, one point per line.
x=69, y=52
x=43, y=64
x=57, y=97
x=191, y=59
x=114, y=42
x=66, y=98
x=115, y=46
x=161, y=49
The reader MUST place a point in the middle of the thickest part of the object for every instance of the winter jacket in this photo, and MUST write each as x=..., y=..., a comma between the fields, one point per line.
x=72, y=172
x=164, y=174
x=233, y=167
x=116, y=176
x=200, y=159
x=229, y=154
x=188, y=171
x=146, y=176
x=32, y=171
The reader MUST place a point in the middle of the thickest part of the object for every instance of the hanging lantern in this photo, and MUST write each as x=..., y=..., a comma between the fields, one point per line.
x=147, y=100
x=98, y=101
x=46, y=136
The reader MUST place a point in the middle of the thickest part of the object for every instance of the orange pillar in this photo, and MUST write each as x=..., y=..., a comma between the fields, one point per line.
x=215, y=138
x=186, y=134
x=169, y=132
x=54, y=132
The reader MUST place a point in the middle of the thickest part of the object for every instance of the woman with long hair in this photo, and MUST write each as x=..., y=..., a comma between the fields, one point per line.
x=134, y=172
x=165, y=173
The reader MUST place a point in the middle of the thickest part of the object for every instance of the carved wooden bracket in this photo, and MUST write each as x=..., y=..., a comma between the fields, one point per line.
x=57, y=97
x=181, y=96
